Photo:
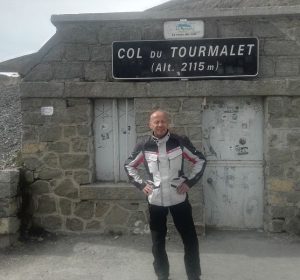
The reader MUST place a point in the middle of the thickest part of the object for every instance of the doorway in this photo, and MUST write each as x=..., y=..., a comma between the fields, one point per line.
x=233, y=180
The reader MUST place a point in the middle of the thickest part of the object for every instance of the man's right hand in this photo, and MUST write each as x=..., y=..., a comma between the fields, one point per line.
x=147, y=190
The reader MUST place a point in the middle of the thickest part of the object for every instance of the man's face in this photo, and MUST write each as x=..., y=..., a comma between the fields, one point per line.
x=159, y=124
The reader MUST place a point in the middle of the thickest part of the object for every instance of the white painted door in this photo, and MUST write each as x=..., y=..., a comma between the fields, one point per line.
x=233, y=144
x=115, y=137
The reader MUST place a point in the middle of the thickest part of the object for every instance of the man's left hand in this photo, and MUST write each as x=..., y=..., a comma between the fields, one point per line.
x=183, y=188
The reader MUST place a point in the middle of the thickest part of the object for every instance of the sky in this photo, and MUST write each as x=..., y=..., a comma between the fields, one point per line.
x=25, y=25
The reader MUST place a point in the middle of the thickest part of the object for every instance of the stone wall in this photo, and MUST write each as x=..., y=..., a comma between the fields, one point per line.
x=58, y=157
x=75, y=68
x=282, y=189
x=9, y=205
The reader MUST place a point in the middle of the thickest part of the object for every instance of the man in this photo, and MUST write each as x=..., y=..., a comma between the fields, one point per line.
x=166, y=189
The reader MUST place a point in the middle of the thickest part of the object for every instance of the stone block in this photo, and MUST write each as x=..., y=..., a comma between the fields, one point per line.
x=52, y=223
x=29, y=134
x=137, y=221
x=276, y=171
x=9, y=181
x=192, y=104
x=110, y=192
x=9, y=225
x=101, y=209
x=42, y=72
x=80, y=145
x=82, y=177
x=293, y=139
x=145, y=104
x=101, y=53
x=235, y=28
x=278, y=48
x=68, y=70
x=55, y=53
x=153, y=31
x=7, y=240
x=84, y=209
x=78, y=34
x=129, y=205
x=282, y=212
x=286, y=67
x=169, y=104
x=266, y=67
x=34, y=89
x=8, y=207
x=95, y=72
x=279, y=185
x=293, y=225
x=106, y=89
x=32, y=163
x=169, y=89
x=266, y=29
x=277, y=225
x=67, y=188
x=33, y=148
x=188, y=118
x=33, y=118
x=59, y=147
x=49, y=173
x=46, y=205
x=40, y=187
x=194, y=133
x=75, y=115
x=50, y=133
x=293, y=197
x=84, y=130
x=74, y=224
x=65, y=206
x=141, y=118
x=77, y=52
x=51, y=160
x=117, y=216
x=69, y=131
x=70, y=161
x=142, y=129
x=279, y=155
x=276, y=199
x=93, y=225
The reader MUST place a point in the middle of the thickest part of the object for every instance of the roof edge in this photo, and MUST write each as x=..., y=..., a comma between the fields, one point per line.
x=151, y=15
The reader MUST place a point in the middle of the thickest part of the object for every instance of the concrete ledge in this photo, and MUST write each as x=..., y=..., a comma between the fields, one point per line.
x=110, y=191
x=163, y=15
x=242, y=87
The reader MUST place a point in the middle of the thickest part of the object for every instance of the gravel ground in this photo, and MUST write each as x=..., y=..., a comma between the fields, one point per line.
x=224, y=256
x=10, y=120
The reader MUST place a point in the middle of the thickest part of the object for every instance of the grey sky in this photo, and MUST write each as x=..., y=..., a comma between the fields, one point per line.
x=25, y=24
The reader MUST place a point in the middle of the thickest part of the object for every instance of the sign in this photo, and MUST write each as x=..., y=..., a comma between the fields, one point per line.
x=185, y=59
x=47, y=111
x=184, y=29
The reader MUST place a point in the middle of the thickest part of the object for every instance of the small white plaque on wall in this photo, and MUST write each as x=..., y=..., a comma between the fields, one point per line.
x=47, y=111
x=184, y=29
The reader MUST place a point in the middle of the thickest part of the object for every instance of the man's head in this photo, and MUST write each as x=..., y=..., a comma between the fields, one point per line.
x=159, y=123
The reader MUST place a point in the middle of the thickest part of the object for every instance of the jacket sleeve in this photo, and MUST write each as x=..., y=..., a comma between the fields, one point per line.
x=131, y=166
x=196, y=158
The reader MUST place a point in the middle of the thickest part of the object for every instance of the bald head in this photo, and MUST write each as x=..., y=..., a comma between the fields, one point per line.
x=159, y=123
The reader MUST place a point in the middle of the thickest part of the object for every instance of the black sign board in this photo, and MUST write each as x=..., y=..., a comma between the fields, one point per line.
x=185, y=59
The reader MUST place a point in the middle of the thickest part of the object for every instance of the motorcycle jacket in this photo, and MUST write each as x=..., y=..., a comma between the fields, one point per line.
x=163, y=160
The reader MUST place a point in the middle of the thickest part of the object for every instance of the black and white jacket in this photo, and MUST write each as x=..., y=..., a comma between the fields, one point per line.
x=164, y=163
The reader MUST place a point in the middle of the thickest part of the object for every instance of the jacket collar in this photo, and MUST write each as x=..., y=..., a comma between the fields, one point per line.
x=160, y=141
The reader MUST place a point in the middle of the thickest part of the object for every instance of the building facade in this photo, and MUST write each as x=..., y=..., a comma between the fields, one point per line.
x=80, y=123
